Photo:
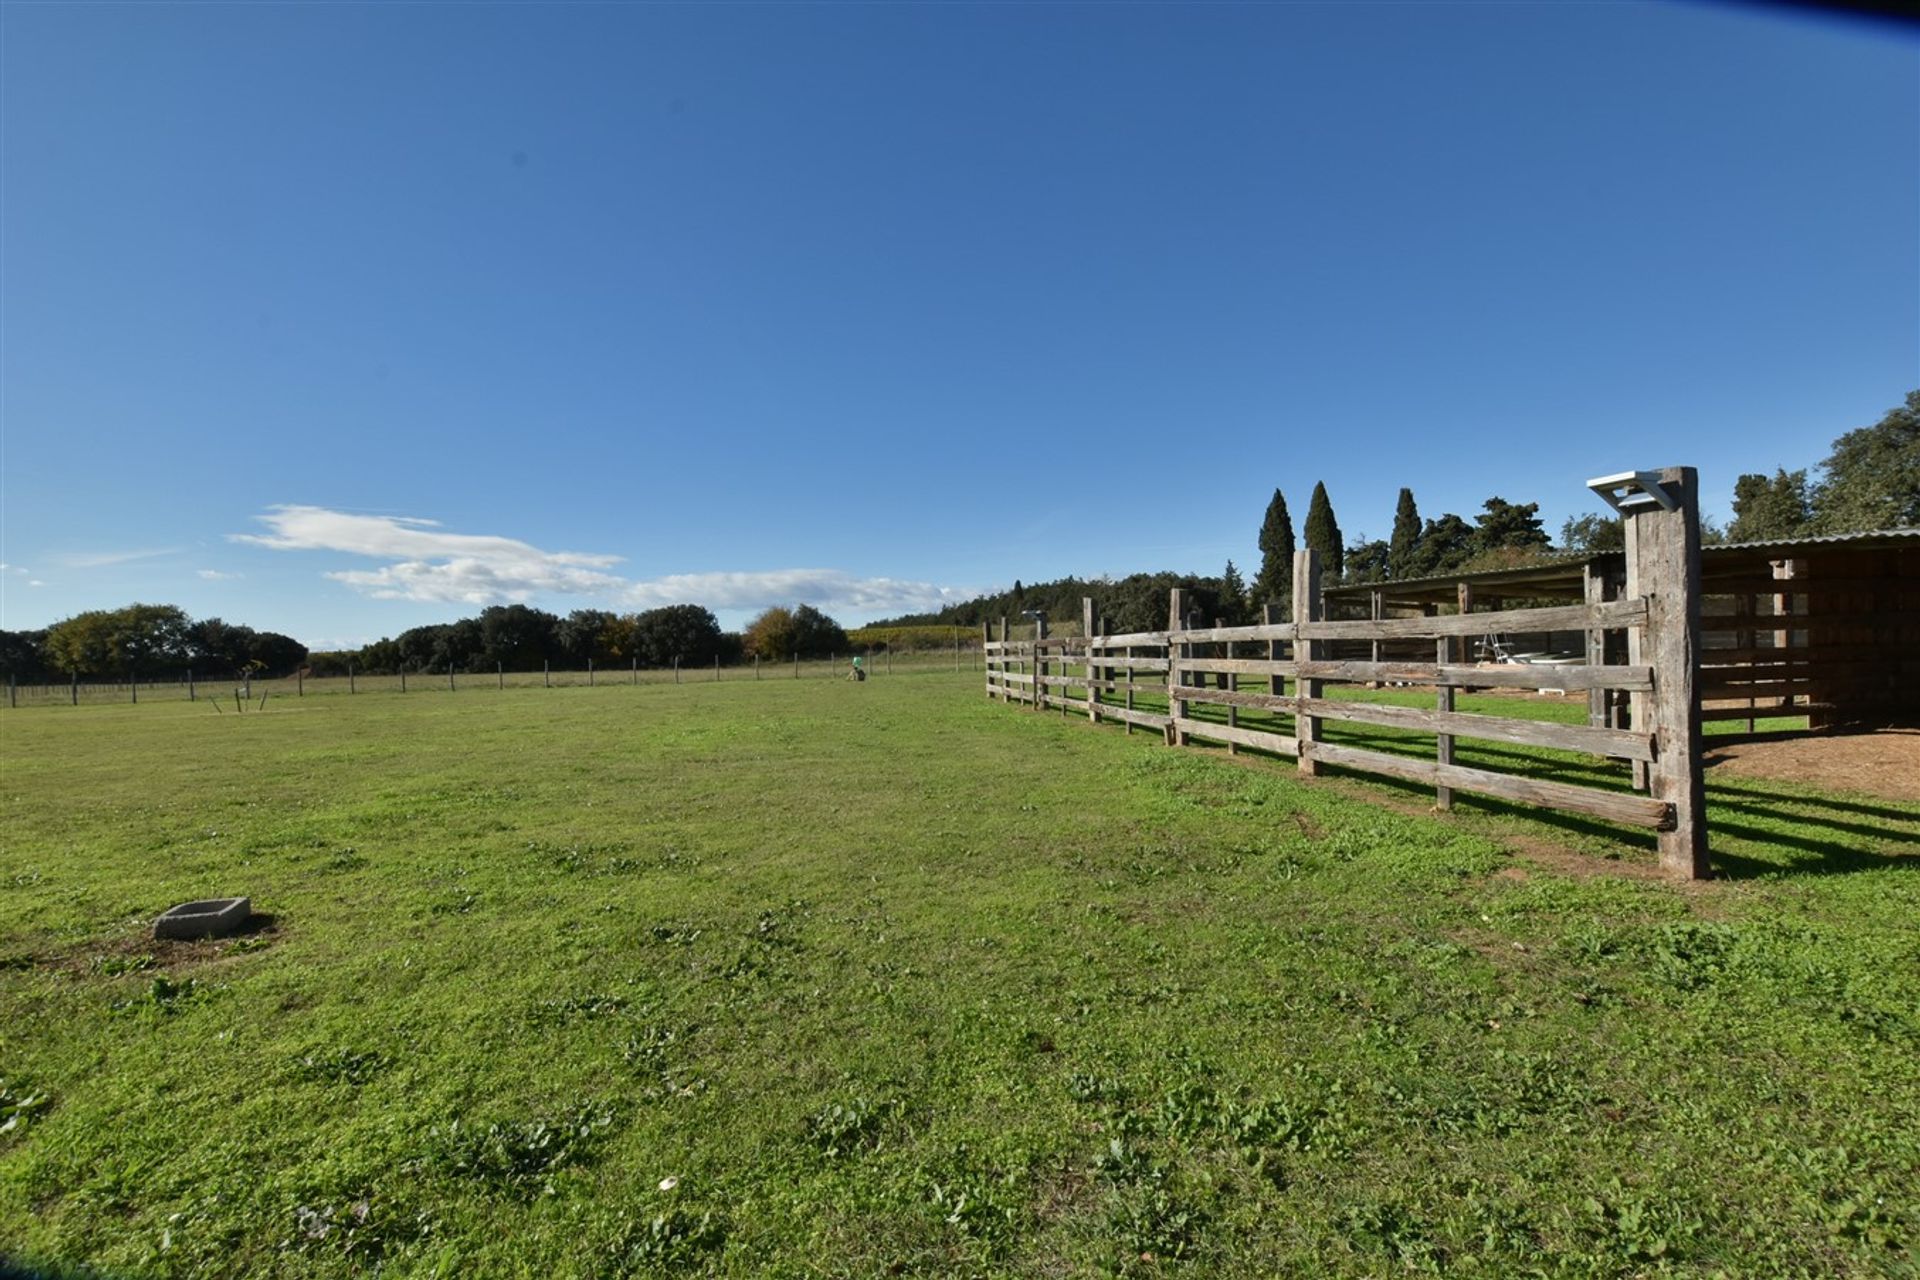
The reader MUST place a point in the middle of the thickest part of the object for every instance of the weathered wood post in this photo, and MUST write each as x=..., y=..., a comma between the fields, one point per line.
x=1306, y=610
x=546, y=672
x=676, y=668
x=756, y=666
x=133, y=687
x=500, y=673
x=1230, y=682
x=1039, y=663
x=1464, y=594
x=1376, y=609
x=299, y=682
x=190, y=691
x=1663, y=568
x=403, y=679
x=1086, y=636
x=73, y=688
x=449, y=677
x=350, y=685
x=589, y=673
x=1443, y=703
x=1594, y=591
x=13, y=694
x=633, y=669
x=1176, y=707
x=716, y=668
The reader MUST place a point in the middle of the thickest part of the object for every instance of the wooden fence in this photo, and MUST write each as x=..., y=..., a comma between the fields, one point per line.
x=1281, y=670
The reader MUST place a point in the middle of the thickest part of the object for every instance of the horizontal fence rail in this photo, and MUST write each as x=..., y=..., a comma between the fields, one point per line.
x=1268, y=687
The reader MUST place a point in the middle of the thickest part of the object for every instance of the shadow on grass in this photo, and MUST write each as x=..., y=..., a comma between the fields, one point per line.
x=1812, y=834
x=14, y=1267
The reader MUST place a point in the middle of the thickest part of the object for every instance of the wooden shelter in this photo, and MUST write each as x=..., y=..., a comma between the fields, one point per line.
x=1826, y=628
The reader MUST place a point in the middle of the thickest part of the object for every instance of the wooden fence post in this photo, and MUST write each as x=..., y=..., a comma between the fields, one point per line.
x=589, y=673
x=190, y=692
x=1376, y=609
x=716, y=668
x=1306, y=609
x=1443, y=743
x=500, y=673
x=1039, y=663
x=1663, y=567
x=133, y=687
x=986, y=638
x=1230, y=681
x=13, y=694
x=1176, y=621
x=449, y=677
x=350, y=684
x=633, y=671
x=676, y=668
x=300, y=682
x=546, y=672
x=403, y=679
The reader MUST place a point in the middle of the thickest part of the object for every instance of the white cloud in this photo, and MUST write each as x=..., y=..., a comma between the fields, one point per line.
x=102, y=559
x=35, y=582
x=216, y=575
x=828, y=589
x=433, y=565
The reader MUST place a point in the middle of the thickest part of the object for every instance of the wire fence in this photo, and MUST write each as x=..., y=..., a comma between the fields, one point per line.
x=241, y=691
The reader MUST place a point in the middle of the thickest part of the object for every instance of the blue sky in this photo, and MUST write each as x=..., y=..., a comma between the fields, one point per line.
x=337, y=319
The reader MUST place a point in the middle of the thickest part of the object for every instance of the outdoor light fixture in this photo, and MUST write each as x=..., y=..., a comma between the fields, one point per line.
x=1632, y=491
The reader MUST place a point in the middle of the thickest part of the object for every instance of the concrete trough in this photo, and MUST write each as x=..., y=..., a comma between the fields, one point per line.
x=211, y=918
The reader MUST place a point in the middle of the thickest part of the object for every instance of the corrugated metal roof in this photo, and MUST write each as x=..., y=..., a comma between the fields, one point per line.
x=1867, y=537
x=1564, y=569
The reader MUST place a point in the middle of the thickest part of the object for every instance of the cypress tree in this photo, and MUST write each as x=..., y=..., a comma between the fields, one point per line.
x=1403, y=549
x=1323, y=533
x=1233, y=596
x=1274, y=583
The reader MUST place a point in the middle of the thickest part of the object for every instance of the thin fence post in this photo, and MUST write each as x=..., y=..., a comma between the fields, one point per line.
x=634, y=674
x=133, y=687
x=1176, y=622
x=1663, y=568
x=403, y=679
x=676, y=668
x=1306, y=609
x=74, y=689
x=1443, y=743
x=986, y=638
x=299, y=682
x=13, y=694
x=249, y=685
x=350, y=685
x=449, y=677
x=756, y=666
x=716, y=668
x=589, y=673
x=190, y=694
x=796, y=664
x=500, y=673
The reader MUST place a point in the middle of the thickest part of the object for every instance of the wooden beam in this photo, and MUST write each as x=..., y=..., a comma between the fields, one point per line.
x=1615, y=806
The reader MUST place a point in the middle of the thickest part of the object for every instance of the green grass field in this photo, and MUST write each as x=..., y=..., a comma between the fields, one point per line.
x=807, y=978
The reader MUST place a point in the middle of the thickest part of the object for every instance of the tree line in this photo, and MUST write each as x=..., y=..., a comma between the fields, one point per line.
x=151, y=639
x=1870, y=480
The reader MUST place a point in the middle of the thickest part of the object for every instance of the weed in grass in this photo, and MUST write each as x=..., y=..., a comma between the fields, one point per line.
x=19, y=1106
x=341, y=1066
x=114, y=966
x=520, y=1157
x=842, y=1128
x=667, y=1240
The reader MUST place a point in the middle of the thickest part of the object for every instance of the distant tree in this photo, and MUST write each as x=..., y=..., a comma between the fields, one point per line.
x=138, y=637
x=23, y=654
x=1871, y=480
x=1233, y=597
x=815, y=635
x=1765, y=508
x=685, y=632
x=1274, y=583
x=1587, y=534
x=1368, y=560
x=1504, y=525
x=418, y=648
x=273, y=654
x=332, y=662
x=517, y=637
x=770, y=636
x=1322, y=533
x=1403, y=548
x=218, y=647
x=380, y=658
x=584, y=634
x=1445, y=545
